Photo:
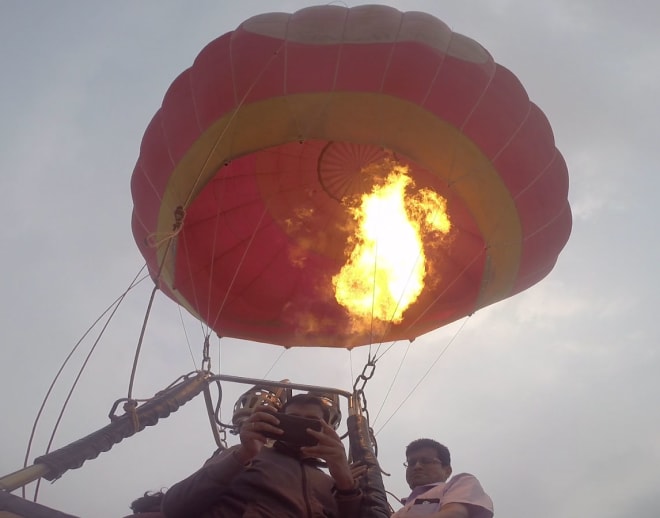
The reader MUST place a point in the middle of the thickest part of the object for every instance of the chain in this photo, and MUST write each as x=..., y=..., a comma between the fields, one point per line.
x=206, y=357
x=358, y=388
x=361, y=382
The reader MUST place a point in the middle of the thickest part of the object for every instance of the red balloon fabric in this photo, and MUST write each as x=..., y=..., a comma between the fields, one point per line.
x=239, y=187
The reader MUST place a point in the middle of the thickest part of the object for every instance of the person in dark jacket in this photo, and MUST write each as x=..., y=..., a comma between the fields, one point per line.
x=147, y=506
x=257, y=481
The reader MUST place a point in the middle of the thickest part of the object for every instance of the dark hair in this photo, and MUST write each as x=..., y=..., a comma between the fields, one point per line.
x=148, y=503
x=441, y=450
x=306, y=399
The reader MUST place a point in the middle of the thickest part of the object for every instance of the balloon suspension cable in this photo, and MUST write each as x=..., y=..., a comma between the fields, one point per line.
x=428, y=371
x=139, y=348
x=53, y=465
x=373, y=303
x=440, y=354
x=205, y=329
x=181, y=211
x=156, y=240
x=185, y=334
x=376, y=357
x=440, y=295
x=370, y=366
x=179, y=217
x=131, y=404
x=238, y=268
x=400, y=364
x=392, y=382
x=429, y=305
x=233, y=116
x=113, y=307
x=276, y=361
x=136, y=280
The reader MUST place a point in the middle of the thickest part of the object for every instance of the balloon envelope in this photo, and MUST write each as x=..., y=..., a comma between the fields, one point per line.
x=240, y=184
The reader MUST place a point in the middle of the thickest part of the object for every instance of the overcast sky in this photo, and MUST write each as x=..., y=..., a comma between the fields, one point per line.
x=550, y=398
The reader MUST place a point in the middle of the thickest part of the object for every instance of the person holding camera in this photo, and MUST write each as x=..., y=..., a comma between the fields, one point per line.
x=285, y=480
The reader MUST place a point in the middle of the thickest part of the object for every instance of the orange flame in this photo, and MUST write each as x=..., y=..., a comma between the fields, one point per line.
x=386, y=265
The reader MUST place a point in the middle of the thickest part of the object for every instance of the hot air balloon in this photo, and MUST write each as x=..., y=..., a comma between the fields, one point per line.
x=249, y=171
x=337, y=177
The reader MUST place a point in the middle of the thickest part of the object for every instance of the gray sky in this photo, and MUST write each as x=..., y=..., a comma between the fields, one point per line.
x=548, y=397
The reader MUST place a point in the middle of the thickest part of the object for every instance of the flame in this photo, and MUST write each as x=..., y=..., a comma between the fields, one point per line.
x=387, y=265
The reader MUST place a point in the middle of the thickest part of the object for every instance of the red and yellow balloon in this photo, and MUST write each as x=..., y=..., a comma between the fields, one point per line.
x=239, y=187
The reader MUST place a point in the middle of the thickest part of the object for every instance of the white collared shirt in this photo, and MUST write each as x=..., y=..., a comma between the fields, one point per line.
x=462, y=489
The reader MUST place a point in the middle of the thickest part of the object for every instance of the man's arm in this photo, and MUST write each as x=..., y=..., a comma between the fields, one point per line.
x=452, y=510
x=200, y=491
x=370, y=478
x=330, y=448
x=464, y=495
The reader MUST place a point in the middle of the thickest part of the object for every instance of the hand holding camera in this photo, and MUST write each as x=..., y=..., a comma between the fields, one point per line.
x=294, y=430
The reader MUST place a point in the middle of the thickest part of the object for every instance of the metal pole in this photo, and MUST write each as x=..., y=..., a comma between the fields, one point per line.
x=22, y=477
x=353, y=407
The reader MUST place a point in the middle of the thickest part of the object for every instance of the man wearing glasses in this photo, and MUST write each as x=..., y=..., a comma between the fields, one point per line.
x=428, y=467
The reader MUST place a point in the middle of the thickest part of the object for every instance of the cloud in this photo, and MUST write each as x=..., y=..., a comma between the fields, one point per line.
x=548, y=393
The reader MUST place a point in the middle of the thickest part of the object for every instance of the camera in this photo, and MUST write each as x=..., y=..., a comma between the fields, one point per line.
x=295, y=429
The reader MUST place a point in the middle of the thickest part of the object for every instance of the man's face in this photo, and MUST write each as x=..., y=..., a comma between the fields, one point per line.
x=310, y=411
x=424, y=467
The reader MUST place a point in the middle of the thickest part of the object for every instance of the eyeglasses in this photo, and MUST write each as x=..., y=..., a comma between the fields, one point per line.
x=424, y=461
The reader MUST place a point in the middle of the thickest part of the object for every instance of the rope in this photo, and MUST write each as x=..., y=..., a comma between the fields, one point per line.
x=156, y=239
x=75, y=382
x=371, y=362
x=442, y=352
x=185, y=334
x=391, y=386
x=139, y=344
x=130, y=407
x=115, y=304
x=279, y=357
x=238, y=267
